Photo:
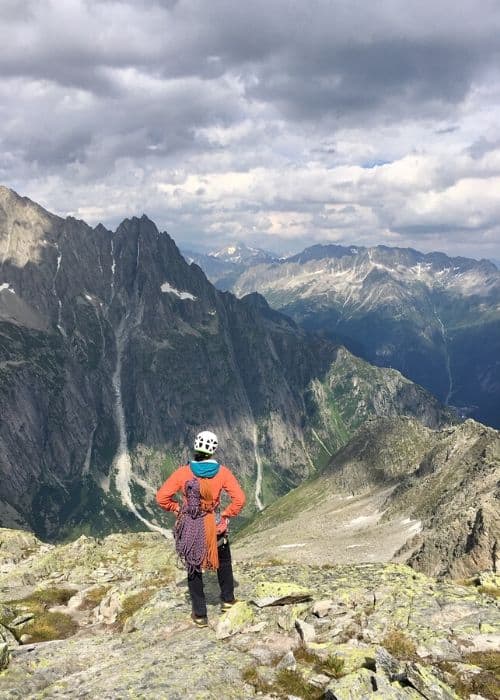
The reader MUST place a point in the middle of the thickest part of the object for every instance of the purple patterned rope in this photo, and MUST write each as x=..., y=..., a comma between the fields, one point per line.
x=190, y=542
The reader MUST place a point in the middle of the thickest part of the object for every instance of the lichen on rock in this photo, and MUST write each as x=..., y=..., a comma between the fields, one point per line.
x=435, y=625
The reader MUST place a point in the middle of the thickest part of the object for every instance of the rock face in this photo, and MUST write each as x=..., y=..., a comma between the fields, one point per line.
x=352, y=391
x=434, y=318
x=114, y=352
x=389, y=632
x=397, y=489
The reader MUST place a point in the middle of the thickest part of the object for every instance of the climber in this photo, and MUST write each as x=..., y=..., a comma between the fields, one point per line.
x=201, y=530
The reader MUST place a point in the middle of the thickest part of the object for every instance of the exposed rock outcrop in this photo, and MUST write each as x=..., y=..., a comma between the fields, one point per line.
x=389, y=632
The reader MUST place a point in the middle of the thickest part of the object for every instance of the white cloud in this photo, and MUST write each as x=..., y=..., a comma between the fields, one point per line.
x=275, y=122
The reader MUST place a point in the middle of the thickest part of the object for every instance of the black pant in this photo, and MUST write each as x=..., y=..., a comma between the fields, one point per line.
x=226, y=583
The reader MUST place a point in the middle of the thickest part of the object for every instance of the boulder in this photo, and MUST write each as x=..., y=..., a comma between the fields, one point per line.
x=366, y=685
x=109, y=608
x=386, y=663
x=279, y=593
x=273, y=646
x=22, y=619
x=7, y=636
x=234, y=620
x=479, y=642
x=289, y=613
x=355, y=655
x=4, y=655
x=438, y=649
x=306, y=631
x=322, y=607
x=318, y=680
x=428, y=684
x=355, y=685
x=288, y=662
x=262, y=654
x=259, y=627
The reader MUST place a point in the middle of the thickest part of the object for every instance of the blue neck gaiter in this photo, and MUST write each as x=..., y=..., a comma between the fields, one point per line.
x=206, y=469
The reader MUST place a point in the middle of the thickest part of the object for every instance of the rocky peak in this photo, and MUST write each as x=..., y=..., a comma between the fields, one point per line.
x=116, y=350
x=26, y=230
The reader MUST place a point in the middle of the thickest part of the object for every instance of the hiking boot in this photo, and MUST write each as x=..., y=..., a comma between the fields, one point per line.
x=227, y=604
x=199, y=621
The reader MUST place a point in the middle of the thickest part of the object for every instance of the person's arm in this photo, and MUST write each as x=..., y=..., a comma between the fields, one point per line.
x=165, y=495
x=235, y=492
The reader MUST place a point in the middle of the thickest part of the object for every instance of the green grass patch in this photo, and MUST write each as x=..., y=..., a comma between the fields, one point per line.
x=493, y=591
x=290, y=682
x=251, y=676
x=47, y=626
x=132, y=603
x=475, y=581
x=332, y=665
x=305, y=495
x=168, y=466
x=488, y=660
x=400, y=645
x=42, y=599
x=305, y=655
x=286, y=683
x=51, y=596
x=94, y=597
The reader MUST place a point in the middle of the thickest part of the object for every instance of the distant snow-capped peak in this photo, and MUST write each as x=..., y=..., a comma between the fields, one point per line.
x=241, y=254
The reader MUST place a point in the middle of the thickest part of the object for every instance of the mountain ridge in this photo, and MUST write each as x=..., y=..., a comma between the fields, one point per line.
x=104, y=334
x=434, y=318
x=397, y=491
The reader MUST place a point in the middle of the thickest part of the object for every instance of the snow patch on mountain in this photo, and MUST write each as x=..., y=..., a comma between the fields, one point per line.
x=241, y=254
x=166, y=287
x=473, y=282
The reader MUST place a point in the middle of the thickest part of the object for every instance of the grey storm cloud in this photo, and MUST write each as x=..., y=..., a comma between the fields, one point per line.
x=163, y=102
x=347, y=81
x=310, y=58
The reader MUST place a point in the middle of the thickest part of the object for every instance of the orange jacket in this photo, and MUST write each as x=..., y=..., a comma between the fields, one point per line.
x=224, y=480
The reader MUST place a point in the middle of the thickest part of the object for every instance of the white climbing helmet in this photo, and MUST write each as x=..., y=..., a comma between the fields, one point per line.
x=206, y=442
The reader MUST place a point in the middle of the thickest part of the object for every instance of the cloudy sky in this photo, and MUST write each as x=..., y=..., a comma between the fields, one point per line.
x=277, y=122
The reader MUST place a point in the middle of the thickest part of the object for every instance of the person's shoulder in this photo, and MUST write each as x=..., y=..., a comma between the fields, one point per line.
x=182, y=469
x=223, y=470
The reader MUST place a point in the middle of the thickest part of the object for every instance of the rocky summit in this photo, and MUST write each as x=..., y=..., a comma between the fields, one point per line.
x=110, y=618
